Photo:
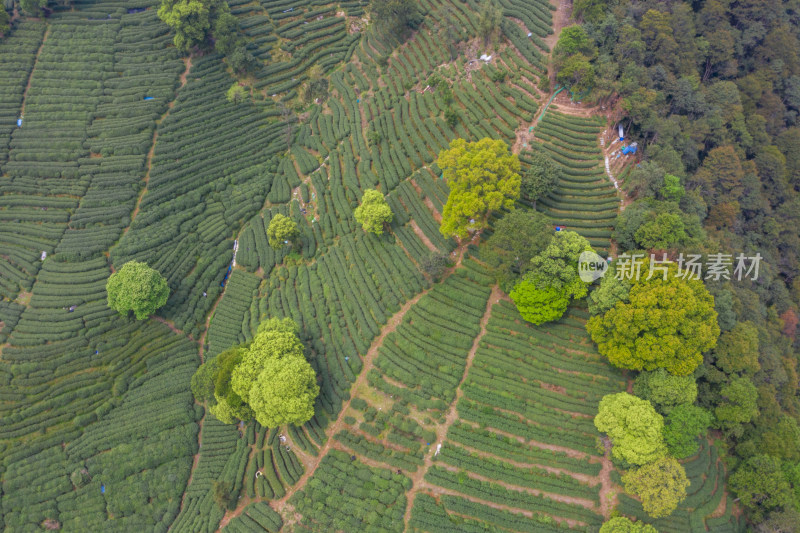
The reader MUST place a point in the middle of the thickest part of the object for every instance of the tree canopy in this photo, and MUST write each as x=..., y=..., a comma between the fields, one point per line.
x=620, y=524
x=661, y=485
x=282, y=230
x=634, y=427
x=374, y=212
x=518, y=237
x=666, y=324
x=136, y=287
x=196, y=22
x=762, y=484
x=395, y=16
x=612, y=289
x=540, y=176
x=269, y=378
x=665, y=390
x=553, y=280
x=685, y=424
x=483, y=176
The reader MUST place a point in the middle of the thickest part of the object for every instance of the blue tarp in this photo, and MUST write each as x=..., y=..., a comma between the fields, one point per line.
x=148, y=97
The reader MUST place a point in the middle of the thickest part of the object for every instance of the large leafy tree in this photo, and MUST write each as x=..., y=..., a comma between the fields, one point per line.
x=620, y=524
x=665, y=390
x=685, y=424
x=284, y=392
x=196, y=22
x=612, y=289
x=666, y=324
x=282, y=230
x=395, y=16
x=32, y=6
x=737, y=350
x=228, y=406
x=762, y=485
x=661, y=485
x=483, y=176
x=374, y=212
x=518, y=237
x=275, y=339
x=739, y=403
x=553, y=280
x=136, y=287
x=634, y=427
x=274, y=378
x=540, y=177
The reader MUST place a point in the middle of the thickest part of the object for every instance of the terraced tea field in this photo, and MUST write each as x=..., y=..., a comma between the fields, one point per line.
x=438, y=404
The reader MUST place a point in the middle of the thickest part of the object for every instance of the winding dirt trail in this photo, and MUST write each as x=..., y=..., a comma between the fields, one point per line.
x=441, y=429
x=149, y=159
x=33, y=70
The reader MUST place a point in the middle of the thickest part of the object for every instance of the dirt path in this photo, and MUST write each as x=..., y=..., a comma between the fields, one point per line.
x=30, y=76
x=195, y=461
x=171, y=326
x=361, y=380
x=608, y=496
x=149, y=159
x=424, y=238
x=439, y=491
x=441, y=429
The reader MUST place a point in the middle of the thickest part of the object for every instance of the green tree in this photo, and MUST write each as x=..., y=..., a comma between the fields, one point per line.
x=541, y=176
x=539, y=304
x=612, y=289
x=664, y=390
x=739, y=403
x=236, y=93
x=203, y=381
x=592, y=11
x=275, y=339
x=5, y=19
x=666, y=324
x=573, y=40
x=229, y=406
x=489, y=21
x=483, y=177
x=672, y=189
x=136, y=287
x=661, y=485
x=374, y=212
x=634, y=427
x=684, y=424
x=737, y=350
x=32, y=6
x=553, y=280
x=665, y=231
x=435, y=265
x=620, y=524
x=282, y=230
x=284, y=392
x=195, y=22
x=577, y=73
x=518, y=237
x=761, y=485
x=395, y=16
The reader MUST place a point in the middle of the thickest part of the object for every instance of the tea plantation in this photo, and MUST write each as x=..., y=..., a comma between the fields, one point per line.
x=440, y=409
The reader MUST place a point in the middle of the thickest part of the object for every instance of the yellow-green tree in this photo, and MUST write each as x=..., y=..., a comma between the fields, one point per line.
x=620, y=524
x=374, y=212
x=665, y=324
x=282, y=230
x=274, y=378
x=483, y=176
x=634, y=427
x=661, y=485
